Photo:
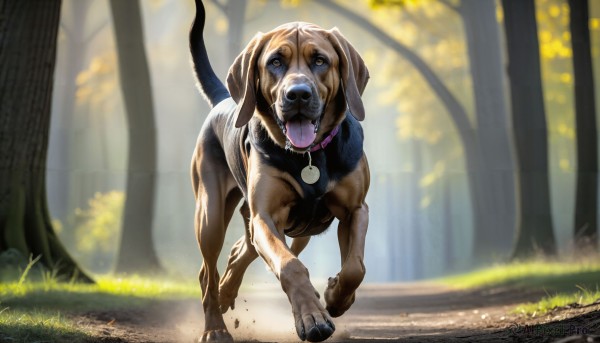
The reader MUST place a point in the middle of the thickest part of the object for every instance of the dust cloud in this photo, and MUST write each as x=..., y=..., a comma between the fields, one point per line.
x=262, y=314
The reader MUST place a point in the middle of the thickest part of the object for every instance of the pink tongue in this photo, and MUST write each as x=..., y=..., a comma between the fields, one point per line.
x=301, y=133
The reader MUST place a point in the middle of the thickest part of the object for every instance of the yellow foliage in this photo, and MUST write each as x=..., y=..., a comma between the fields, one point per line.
x=566, y=131
x=499, y=14
x=418, y=126
x=290, y=3
x=431, y=177
x=98, y=81
x=222, y=25
x=557, y=76
x=57, y=226
x=554, y=11
x=566, y=78
x=545, y=37
x=97, y=227
x=565, y=164
x=425, y=201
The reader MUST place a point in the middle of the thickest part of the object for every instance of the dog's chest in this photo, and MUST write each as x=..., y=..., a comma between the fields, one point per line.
x=309, y=215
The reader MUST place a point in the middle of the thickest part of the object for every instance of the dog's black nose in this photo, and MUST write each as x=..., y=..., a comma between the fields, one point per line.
x=298, y=93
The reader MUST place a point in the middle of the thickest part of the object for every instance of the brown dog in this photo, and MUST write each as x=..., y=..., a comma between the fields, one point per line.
x=284, y=144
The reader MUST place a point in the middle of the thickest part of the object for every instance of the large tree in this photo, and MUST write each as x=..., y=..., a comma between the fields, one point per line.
x=534, y=223
x=136, y=249
x=493, y=179
x=586, y=199
x=28, y=32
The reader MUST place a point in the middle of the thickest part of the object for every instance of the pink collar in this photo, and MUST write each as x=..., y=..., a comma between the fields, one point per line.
x=326, y=141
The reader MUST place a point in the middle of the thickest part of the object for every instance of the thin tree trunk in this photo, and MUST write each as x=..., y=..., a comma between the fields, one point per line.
x=534, y=227
x=449, y=231
x=235, y=12
x=415, y=190
x=136, y=250
x=586, y=199
x=28, y=32
x=494, y=180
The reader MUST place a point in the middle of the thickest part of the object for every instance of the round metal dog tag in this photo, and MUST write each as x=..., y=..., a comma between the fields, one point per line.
x=310, y=174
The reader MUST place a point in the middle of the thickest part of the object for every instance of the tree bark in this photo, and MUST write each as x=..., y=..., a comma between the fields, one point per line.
x=494, y=181
x=28, y=32
x=136, y=250
x=586, y=198
x=534, y=233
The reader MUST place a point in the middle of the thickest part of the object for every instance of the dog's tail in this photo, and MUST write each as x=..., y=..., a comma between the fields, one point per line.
x=210, y=85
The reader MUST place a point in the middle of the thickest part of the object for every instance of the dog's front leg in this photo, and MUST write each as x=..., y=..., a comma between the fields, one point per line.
x=312, y=321
x=270, y=200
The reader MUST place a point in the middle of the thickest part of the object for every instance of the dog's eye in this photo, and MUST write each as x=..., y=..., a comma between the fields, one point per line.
x=276, y=62
x=319, y=61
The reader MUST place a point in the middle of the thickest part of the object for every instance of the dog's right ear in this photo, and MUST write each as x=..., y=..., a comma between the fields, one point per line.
x=241, y=80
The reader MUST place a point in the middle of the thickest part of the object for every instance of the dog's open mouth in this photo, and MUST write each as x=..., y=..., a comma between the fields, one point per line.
x=301, y=132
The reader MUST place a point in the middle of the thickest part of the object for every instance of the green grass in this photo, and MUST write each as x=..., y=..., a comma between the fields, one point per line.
x=38, y=326
x=549, y=303
x=33, y=311
x=565, y=283
x=534, y=274
x=108, y=292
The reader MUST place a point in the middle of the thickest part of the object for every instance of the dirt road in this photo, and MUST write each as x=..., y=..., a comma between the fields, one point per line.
x=414, y=312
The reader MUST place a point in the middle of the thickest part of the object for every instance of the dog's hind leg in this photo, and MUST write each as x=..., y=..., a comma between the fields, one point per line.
x=298, y=244
x=242, y=254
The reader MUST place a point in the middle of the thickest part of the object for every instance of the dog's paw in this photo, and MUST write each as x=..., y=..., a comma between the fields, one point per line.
x=226, y=301
x=314, y=327
x=216, y=336
x=337, y=304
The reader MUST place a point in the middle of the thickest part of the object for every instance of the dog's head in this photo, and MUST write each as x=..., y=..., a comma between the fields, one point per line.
x=300, y=79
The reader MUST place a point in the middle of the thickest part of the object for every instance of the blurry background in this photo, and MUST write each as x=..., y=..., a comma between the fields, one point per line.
x=438, y=129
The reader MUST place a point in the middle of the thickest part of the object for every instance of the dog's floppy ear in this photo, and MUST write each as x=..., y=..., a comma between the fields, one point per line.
x=241, y=80
x=353, y=71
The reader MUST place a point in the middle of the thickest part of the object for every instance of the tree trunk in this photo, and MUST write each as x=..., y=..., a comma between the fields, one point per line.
x=136, y=250
x=449, y=231
x=534, y=225
x=482, y=199
x=420, y=260
x=235, y=12
x=28, y=29
x=494, y=182
x=586, y=199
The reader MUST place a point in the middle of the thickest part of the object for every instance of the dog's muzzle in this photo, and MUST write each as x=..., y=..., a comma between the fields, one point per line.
x=300, y=115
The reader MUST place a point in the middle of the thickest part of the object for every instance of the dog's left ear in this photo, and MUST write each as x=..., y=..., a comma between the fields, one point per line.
x=353, y=71
x=241, y=80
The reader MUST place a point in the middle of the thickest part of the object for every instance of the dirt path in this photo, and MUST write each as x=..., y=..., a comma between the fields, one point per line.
x=413, y=312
